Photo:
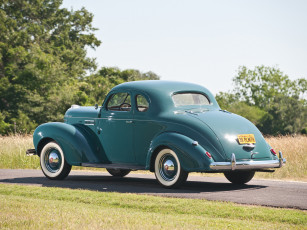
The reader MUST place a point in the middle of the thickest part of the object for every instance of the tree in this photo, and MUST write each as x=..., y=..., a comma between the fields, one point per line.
x=261, y=85
x=268, y=98
x=285, y=115
x=96, y=86
x=43, y=64
x=42, y=57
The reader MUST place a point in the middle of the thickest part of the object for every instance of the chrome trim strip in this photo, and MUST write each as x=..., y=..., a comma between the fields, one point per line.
x=89, y=122
x=233, y=165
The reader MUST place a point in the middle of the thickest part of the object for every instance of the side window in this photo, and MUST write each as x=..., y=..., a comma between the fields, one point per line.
x=119, y=102
x=141, y=103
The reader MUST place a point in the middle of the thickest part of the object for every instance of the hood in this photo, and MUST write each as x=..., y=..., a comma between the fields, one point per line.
x=227, y=126
x=82, y=111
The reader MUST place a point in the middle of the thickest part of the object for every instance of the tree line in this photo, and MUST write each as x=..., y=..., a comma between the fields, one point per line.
x=268, y=98
x=44, y=69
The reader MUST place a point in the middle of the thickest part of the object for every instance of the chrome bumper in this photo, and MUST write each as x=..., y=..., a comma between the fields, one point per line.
x=233, y=165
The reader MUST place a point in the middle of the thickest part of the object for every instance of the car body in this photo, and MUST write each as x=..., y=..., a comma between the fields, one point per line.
x=170, y=128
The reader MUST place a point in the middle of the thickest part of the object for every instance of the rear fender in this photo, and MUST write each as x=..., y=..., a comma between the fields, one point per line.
x=79, y=143
x=192, y=156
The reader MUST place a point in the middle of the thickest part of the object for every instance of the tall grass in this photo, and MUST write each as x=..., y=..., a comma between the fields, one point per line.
x=294, y=148
x=13, y=152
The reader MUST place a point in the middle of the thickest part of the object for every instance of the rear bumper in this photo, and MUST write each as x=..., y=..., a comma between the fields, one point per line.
x=246, y=165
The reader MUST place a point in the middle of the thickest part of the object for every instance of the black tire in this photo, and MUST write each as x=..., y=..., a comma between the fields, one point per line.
x=53, y=163
x=168, y=170
x=119, y=172
x=239, y=177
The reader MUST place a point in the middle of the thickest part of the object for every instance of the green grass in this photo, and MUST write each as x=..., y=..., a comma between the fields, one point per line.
x=30, y=207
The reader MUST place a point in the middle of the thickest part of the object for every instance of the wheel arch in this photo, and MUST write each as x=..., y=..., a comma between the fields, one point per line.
x=192, y=157
x=42, y=143
x=78, y=143
x=154, y=155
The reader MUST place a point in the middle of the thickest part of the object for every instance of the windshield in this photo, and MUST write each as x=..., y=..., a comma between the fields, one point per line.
x=184, y=99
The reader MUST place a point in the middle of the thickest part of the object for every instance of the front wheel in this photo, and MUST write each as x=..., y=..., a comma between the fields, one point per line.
x=239, y=177
x=119, y=172
x=53, y=162
x=168, y=170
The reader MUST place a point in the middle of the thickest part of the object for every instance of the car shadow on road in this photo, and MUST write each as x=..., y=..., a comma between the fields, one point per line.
x=104, y=183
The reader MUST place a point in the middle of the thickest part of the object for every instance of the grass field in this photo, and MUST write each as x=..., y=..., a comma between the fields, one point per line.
x=294, y=148
x=29, y=207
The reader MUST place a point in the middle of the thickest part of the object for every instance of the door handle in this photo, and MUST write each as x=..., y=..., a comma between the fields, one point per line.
x=129, y=122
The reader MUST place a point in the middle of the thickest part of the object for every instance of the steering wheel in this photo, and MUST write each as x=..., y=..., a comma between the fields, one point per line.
x=124, y=106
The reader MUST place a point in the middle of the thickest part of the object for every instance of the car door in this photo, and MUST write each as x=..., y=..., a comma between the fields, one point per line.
x=145, y=127
x=116, y=128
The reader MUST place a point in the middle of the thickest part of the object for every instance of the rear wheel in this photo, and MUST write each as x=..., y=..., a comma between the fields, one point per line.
x=168, y=170
x=53, y=162
x=119, y=172
x=239, y=177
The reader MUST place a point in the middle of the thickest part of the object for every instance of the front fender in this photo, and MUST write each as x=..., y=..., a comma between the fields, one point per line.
x=79, y=144
x=192, y=157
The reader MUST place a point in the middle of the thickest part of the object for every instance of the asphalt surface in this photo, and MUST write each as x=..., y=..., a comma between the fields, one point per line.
x=272, y=193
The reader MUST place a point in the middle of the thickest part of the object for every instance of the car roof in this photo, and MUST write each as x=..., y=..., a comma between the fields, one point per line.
x=153, y=86
x=162, y=90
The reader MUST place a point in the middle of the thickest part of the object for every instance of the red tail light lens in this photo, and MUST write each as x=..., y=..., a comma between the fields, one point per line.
x=273, y=152
x=208, y=155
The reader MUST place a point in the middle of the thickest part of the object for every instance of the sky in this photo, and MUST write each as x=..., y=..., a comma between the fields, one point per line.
x=199, y=41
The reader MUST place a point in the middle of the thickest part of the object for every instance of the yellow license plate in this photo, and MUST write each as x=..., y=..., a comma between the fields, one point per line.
x=246, y=139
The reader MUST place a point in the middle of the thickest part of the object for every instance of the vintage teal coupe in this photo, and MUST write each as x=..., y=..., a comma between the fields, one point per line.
x=169, y=128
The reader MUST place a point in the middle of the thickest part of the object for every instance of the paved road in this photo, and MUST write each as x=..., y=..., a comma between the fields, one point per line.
x=256, y=192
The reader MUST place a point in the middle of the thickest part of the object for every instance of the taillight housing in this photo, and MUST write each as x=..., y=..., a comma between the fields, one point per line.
x=273, y=152
x=208, y=155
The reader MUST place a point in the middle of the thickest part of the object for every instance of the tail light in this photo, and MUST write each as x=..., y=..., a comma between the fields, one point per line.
x=273, y=152
x=208, y=155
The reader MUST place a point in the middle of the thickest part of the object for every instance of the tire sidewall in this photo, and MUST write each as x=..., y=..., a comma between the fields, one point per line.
x=157, y=172
x=42, y=161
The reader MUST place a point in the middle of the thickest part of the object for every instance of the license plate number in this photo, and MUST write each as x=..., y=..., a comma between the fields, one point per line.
x=246, y=139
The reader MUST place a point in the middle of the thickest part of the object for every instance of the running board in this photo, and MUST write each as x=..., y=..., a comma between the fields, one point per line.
x=114, y=166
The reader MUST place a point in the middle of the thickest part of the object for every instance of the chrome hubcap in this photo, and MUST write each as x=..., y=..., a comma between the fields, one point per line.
x=53, y=160
x=168, y=167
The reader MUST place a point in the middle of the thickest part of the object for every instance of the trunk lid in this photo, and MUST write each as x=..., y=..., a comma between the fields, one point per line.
x=227, y=126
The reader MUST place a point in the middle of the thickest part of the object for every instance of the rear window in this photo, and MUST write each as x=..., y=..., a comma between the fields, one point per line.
x=183, y=99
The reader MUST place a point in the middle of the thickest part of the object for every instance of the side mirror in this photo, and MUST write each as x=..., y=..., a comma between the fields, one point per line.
x=96, y=106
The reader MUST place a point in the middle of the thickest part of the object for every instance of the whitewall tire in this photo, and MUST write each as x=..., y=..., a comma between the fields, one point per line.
x=53, y=163
x=168, y=169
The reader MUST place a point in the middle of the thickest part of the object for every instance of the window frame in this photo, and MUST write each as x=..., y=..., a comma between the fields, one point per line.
x=118, y=110
x=136, y=103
